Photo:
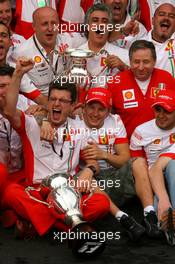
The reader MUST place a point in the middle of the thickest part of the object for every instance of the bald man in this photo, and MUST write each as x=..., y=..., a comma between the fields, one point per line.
x=162, y=36
x=43, y=47
x=23, y=14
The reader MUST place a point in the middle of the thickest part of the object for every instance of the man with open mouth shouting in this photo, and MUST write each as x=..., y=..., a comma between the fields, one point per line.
x=162, y=36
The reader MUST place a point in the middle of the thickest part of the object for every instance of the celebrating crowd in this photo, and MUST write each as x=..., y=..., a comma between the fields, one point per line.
x=117, y=124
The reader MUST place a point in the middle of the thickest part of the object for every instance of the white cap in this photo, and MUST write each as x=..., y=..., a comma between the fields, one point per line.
x=158, y=3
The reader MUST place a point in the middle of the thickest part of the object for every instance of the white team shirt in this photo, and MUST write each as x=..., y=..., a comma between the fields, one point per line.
x=17, y=39
x=97, y=67
x=45, y=160
x=152, y=140
x=111, y=133
x=46, y=67
x=10, y=143
x=125, y=42
x=165, y=54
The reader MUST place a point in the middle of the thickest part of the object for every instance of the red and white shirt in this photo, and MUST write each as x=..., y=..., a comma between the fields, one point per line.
x=10, y=143
x=44, y=71
x=151, y=141
x=111, y=133
x=43, y=159
x=165, y=54
x=17, y=39
x=130, y=103
x=97, y=66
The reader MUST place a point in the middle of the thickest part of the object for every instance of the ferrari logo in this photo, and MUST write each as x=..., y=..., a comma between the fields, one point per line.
x=172, y=138
x=103, y=61
x=154, y=91
x=169, y=45
x=103, y=140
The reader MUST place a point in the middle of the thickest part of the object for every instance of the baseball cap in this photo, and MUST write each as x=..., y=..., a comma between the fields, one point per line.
x=162, y=2
x=101, y=95
x=166, y=99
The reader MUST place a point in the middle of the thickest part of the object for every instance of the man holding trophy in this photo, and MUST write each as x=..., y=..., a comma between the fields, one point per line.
x=43, y=159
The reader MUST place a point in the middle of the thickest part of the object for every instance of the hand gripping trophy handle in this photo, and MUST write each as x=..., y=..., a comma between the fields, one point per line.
x=66, y=199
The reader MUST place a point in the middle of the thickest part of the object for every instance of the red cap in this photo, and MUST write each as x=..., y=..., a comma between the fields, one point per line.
x=166, y=99
x=99, y=94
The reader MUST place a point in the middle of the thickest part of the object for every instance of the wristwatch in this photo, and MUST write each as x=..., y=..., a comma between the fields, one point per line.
x=92, y=168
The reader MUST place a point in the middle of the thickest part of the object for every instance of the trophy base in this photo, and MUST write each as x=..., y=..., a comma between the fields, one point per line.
x=87, y=243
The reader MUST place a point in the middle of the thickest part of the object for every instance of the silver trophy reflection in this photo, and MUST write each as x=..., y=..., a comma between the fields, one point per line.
x=66, y=199
x=75, y=61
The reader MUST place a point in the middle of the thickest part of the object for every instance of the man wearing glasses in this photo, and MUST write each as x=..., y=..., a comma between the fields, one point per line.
x=43, y=158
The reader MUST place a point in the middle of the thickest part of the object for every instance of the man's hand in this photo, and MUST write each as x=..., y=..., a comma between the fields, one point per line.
x=23, y=65
x=131, y=28
x=92, y=151
x=47, y=132
x=163, y=206
x=84, y=181
x=34, y=109
x=115, y=62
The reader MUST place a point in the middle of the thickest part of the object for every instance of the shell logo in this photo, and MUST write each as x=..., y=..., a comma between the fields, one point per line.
x=157, y=141
x=37, y=59
x=128, y=95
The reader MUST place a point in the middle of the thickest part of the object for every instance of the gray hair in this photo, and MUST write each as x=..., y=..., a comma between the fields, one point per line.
x=97, y=7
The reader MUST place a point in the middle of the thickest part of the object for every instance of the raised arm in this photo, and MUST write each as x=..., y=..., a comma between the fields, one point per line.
x=10, y=112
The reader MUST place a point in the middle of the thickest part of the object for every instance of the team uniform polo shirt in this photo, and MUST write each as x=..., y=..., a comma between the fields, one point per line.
x=97, y=66
x=17, y=39
x=148, y=139
x=125, y=42
x=42, y=158
x=165, y=54
x=111, y=133
x=45, y=68
x=10, y=143
x=129, y=102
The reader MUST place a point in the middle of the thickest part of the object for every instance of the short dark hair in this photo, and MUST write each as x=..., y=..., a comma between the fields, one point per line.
x=97, y=7
x=142, y=44
x=63, y=84
x=6, y=70
x=8, y=29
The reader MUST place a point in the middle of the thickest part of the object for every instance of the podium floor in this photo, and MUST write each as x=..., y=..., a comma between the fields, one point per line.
x=46, y=250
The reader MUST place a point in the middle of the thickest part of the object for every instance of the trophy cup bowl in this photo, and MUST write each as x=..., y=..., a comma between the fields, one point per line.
x=55, y=180
x=77, y=66
x=64, y=198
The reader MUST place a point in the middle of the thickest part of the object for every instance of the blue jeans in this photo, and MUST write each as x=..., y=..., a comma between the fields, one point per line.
x=169, y=175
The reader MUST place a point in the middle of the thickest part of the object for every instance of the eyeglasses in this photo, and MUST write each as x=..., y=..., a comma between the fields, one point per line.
x=61, y=100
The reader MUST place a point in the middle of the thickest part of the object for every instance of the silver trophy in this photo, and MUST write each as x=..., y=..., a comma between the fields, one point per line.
x=76, y=65
x=64, y=198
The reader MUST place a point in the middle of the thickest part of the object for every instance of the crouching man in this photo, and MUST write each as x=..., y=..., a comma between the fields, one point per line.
x=155, y=141
x=43, y=159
